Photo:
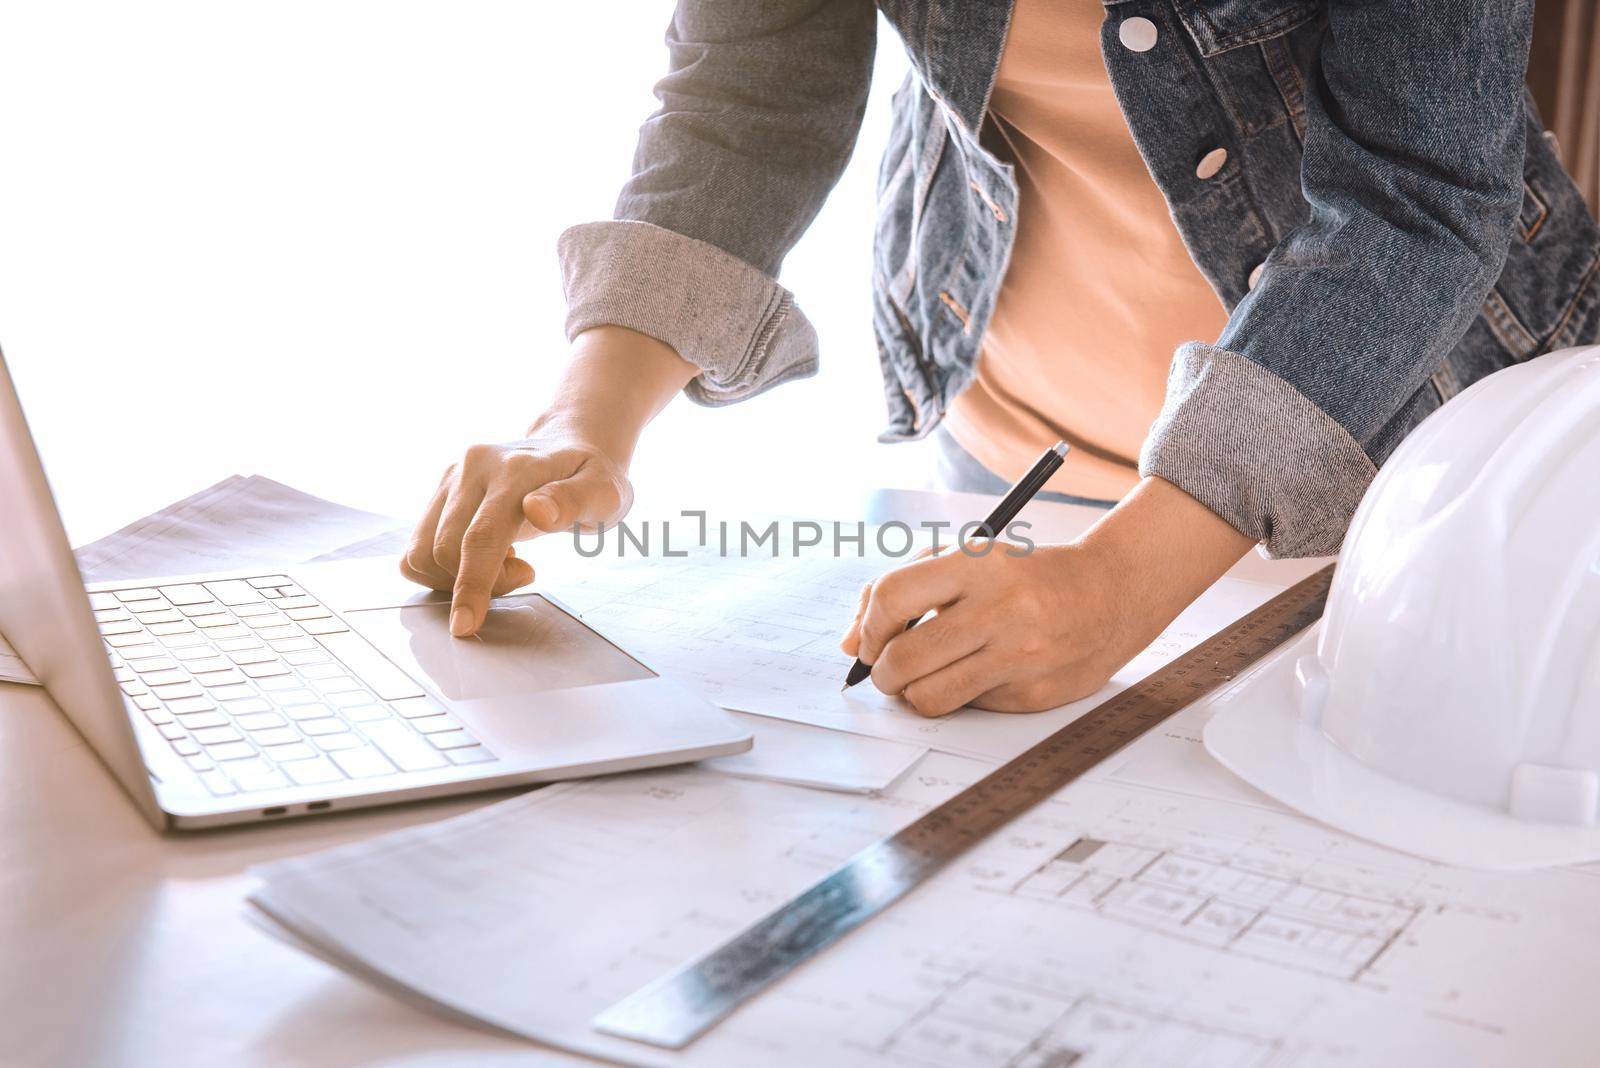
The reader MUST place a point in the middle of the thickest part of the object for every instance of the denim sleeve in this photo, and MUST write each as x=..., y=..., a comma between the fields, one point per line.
x=759, y=113
x=1412, y=171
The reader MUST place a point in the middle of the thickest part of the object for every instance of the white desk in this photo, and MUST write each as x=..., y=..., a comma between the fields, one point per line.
x=120, y=946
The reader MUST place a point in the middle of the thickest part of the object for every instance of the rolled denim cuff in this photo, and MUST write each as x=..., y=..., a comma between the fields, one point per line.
x=741, y=328
x=1254, y=450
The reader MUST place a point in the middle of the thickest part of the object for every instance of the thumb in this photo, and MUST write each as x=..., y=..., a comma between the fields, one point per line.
x=585, y=499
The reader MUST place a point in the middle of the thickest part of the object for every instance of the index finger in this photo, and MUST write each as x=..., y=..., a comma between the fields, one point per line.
x=483, y=551
x=906, y=593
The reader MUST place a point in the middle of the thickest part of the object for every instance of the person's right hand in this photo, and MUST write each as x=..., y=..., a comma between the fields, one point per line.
x=498, y=494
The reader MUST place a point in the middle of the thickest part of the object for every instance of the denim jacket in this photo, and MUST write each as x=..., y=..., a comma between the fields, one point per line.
x=1389, y=224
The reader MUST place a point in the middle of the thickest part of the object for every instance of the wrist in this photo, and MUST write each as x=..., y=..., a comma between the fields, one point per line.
x=615, y=382
x=1161, y=548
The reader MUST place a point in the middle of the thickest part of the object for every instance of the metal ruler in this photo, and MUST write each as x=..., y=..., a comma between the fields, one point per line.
x=675, y=1009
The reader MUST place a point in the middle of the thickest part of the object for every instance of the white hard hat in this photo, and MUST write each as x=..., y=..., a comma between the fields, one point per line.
x=1448, y=704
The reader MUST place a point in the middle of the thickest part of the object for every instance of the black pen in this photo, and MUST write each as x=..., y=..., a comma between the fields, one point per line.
x=998, y=520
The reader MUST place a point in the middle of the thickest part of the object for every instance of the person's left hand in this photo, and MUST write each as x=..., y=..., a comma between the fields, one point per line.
x=1013, y=631
x=1018, y=631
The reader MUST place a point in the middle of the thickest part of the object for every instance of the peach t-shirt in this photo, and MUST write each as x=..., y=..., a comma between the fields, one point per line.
x=1100, y=289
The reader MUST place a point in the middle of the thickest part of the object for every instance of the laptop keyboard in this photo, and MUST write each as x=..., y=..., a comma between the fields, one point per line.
x=259, y=687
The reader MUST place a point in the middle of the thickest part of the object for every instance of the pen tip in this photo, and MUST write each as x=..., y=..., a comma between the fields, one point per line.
x=1060, y=448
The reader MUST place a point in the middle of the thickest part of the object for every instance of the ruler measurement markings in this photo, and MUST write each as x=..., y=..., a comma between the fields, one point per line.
x=676, y=1008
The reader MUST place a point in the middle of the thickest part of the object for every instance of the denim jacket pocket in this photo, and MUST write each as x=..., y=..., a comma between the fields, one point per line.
x=1255, y=58
x=1219, y=26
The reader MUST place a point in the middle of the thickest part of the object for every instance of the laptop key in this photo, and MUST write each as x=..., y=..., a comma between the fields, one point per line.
x=99, y=601
x=452, y=740
x=302, y=601
x=182, y=689
x=245, y=705
x=268, y=780
x=180, y=641
x=154, y=663
x=200, y=762
x=313, y=772
x=363, y=763
x=282, y=737
x=120, y=626
x=402, y=745
x=265, y=671
x=291, y=752
x=231, y=751
x=187, y=593
x=219, y=678
x=278, y=633
x=247, y=611
x=349, y=698
x=301, y=655
x=141, y=594
x=123, y=674
x=281, y=684
x=164, y=678
x=365, y=713
x=256, y=721
x=322, y=670
x=217, y=783
x=232, y=693
x=161, y=614
x=186, y=747
x=436, y=724
x=206, y=608
x=334, y=742
x=162, y=630
x=187, y=705
x=269, y=580
x=311, y=711
x=124, y=642
x=325, y=725
x=157, y=715
x=134, y=688
x=111, y=615
x=233, y=592
x=217, y=735
x=258, y=655
x=472, y=754
x=172, y=731
x=308, y=613
x=337, y=684
x=212, y=621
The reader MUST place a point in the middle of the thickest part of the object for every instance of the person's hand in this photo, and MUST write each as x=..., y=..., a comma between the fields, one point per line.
x=1019, y=631
x=498, y=494
x=1013, y=631
x=571, y=470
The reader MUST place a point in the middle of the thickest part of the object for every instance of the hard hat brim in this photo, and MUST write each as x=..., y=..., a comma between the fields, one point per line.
x=1256, y=732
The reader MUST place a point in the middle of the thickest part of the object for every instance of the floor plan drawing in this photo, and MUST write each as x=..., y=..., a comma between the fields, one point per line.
x=1116, y=924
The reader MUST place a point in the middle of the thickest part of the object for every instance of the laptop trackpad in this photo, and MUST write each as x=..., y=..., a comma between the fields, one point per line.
x=526, y=645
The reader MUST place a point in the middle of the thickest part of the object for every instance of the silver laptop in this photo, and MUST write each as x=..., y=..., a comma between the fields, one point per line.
x=231, y=698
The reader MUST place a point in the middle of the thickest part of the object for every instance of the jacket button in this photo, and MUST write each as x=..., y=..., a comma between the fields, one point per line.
x=1137, y=34
x=1211, y=163
x=1255, y=276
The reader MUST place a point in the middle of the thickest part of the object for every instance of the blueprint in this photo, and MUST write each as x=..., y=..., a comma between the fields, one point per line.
x=760, y=634
x=1118, y=923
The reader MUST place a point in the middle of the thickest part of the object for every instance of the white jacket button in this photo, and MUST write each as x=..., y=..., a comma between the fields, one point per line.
x=1137, y=34
x=1211, y=163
